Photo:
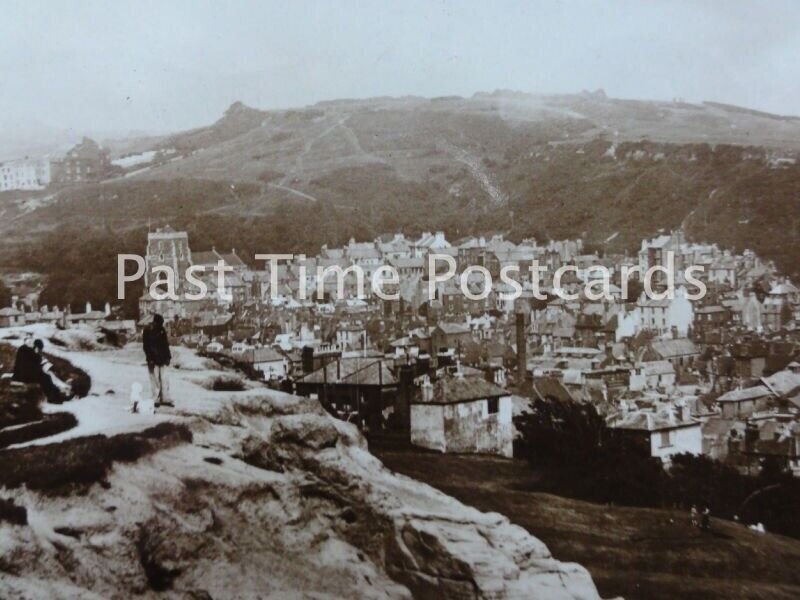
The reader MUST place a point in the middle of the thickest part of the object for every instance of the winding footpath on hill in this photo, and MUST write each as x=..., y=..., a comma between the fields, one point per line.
x=272, y=498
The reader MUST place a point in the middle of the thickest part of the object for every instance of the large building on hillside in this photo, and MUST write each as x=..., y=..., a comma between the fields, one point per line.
x=86, y=162
x=24, y=174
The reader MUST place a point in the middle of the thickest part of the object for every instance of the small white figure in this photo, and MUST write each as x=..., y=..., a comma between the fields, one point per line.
x=144, y=406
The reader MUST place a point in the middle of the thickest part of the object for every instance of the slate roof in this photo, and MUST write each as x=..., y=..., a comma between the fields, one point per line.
x=710, y=309
x=259, y=355
x=659, y=367
x=452, y=328
x=758, y=391
x=649, y=421
x=353, y=371
x=783, y=382
x=674, y=348
x=204, y=258
x=453, y=390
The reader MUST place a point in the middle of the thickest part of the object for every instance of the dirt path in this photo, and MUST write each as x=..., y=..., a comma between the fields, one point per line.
x=477, y=170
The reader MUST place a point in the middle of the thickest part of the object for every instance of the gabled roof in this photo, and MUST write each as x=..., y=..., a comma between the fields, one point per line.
x=785, y=287
x=705, y=310
x=407, y=263
x=259, y=355
x=674, y=348
x=210, y=319
x=96, y=315
x=752, y=393
x=452, y=328
x=211, y=257
x=649, y=421
x=659, y=367
x=783, y=382
x=550, y=387
x=357, y=253
x=233, y=259
x=205, y=258
x=376, y=373
x=353, y=371
x=453, y=390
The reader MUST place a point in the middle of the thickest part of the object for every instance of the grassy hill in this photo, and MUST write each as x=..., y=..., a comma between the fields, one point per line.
x=630, y=552
x=528, y=165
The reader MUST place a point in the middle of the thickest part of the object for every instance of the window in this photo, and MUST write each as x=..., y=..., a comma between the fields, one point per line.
x=664, y=438
x=493, y=405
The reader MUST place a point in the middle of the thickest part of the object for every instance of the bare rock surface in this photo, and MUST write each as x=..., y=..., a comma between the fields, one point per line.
x=272, y=499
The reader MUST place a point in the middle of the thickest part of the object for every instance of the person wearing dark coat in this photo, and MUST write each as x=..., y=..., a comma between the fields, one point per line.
x=31, y=367
x=156, y=351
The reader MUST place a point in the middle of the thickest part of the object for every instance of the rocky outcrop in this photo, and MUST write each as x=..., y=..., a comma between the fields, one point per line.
x=273, y=498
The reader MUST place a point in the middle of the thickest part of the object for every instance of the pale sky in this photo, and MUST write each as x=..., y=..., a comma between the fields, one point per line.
x=167, y=65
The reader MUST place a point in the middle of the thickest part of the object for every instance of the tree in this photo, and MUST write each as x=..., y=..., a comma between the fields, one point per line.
x=5, y=294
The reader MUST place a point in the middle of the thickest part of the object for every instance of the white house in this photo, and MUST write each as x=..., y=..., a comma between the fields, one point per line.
x=429, y=243
x=659, y=374
x=24, y=174
x=11, y=317
x=271, y=363
x=662, y=433
x=462, y=414
x=667, y=315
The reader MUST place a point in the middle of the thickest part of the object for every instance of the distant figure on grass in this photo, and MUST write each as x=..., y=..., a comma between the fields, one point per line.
x=30, y=366
x=694, y=514
x=156, y=351
x=705, y=519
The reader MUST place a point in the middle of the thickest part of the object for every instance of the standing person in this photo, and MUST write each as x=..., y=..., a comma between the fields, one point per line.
x=694, y=515
x=156, y=351
x=705, y=519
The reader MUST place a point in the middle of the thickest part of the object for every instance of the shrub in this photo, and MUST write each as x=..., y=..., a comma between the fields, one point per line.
x=47, y=426
x=226, y=383
x=80, y=380
x=11, y=513
x=19, y=405
x=75, y=465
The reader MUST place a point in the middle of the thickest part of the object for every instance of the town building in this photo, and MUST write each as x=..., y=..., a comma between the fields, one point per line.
x=11, y=317
x=462, y=414
x=660, y=434
x=86, y=162
x=269, y=362
x=24, y=174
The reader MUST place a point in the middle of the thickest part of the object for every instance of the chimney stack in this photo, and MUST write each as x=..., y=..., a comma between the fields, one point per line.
x=522, y=358
x=427, y=389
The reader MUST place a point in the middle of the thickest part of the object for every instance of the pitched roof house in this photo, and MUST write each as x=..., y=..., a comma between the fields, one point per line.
x=462, y=414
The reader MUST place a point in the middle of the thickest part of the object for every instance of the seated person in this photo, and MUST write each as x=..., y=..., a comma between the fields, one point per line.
x=32, y=367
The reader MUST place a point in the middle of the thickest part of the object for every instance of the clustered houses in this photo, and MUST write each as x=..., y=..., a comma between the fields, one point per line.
x=28, y=312
x=718, y=376
x=712, y=376
x=663, y=370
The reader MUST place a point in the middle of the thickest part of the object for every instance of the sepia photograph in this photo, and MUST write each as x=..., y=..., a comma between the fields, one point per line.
x=399, y=299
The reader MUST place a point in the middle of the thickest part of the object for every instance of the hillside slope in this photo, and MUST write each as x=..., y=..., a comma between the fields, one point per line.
x=527, y=165
x=630, y=552
x=271, y=497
